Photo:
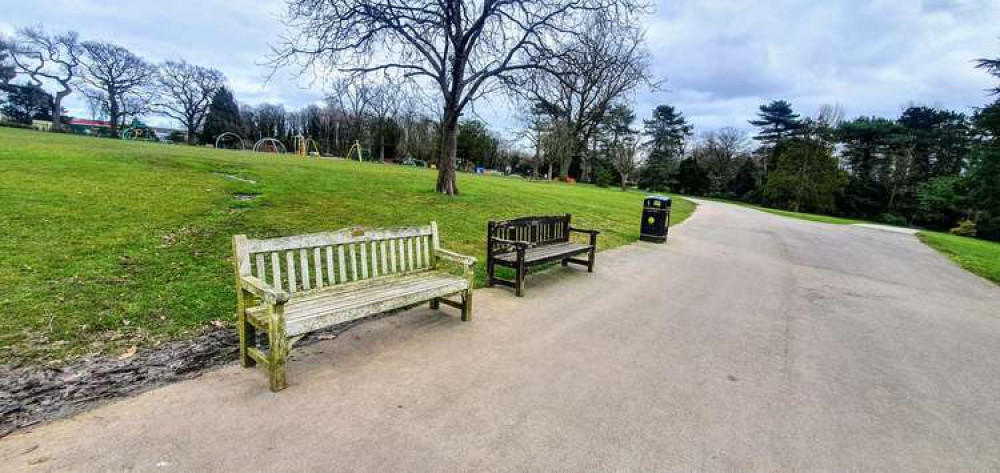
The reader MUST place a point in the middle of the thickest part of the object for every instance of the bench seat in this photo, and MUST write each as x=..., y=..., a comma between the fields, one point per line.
x=541, y=254
x=346, y=302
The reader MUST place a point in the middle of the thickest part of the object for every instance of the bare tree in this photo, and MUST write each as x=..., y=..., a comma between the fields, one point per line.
x=533, y=133
x=462, y=47
x=45, y=57
x=185, y=93
x=353, y=96
x=7, y=69
x=119, y=78
x=721, y=153
x=625, y=158
x=385, y=98
x=559, y=143
x=592, y=71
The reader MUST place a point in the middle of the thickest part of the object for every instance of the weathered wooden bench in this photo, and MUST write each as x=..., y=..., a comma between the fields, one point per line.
x=528, y=241
x=288, y=287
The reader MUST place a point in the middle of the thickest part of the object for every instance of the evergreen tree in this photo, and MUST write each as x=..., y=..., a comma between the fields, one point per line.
x=691, y=178
x=940, y=141
x=667, y=132
x=777, y=122
x=806, y=177
x=26, y=103
x=223, y=116
x=746, y=181
x=984, y=170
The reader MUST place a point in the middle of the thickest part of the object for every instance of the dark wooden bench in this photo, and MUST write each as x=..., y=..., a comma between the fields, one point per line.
x=529, y=241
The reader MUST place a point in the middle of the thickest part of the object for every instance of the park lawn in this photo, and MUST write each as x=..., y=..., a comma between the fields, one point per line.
x=978, y=256
x=105, y=244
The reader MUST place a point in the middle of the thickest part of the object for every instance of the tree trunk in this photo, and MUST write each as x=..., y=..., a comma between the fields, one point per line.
x=57, y=109
x=624, y=181
x=191, y=132
x=446, y=162
x=113, y=114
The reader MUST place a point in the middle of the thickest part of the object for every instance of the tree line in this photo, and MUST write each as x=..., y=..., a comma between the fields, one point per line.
x=928, y=167
x=116, y=83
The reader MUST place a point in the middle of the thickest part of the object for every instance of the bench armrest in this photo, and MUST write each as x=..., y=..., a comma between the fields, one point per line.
x=580, y=230
x=456, y=258
x=263, y=291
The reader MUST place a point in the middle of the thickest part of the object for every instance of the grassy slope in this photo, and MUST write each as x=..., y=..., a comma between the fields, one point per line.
x=105, y=244
x=978, y=256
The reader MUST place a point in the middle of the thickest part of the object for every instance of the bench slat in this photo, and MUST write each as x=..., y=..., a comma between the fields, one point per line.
x=290, y=269
x=392, y=255
x=276, y=271
x=260, y=271
x=409, y=252
x=333, y=306
x=329, y=265
x=354, y=262
x=318, y=267
x=331, y=238
x=304, y=269
x=364, y=260
x=342, y=264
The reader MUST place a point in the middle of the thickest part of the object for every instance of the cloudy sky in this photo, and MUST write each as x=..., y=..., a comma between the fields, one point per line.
x=720, y=58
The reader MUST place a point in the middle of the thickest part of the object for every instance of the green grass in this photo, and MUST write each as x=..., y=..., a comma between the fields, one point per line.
x=978, y=256
x=105, y=244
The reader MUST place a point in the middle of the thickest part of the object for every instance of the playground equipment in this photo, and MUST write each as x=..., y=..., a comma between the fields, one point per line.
x=229, y=137
x=138, y=130
x=355, y=149
x=303, y=146
x=269, y=145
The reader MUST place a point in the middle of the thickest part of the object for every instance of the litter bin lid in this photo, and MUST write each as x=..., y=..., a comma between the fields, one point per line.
x=661, y=198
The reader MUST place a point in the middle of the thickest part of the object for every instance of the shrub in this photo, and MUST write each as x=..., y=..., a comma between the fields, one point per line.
x=605, y=178
x=892, y=219
x=966, y=228
x=989, y=229
x=7, y=124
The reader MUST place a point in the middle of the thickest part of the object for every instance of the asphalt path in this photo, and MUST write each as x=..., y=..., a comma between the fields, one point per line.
x=749, y=342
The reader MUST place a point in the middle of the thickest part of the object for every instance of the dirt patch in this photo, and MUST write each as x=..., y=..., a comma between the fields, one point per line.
x=32, y=395
x=245, y=197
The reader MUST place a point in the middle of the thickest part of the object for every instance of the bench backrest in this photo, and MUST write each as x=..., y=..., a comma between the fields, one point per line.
x=307, y=262
x=537, y=229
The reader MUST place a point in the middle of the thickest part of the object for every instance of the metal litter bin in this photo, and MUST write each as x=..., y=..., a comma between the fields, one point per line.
x=655, y=219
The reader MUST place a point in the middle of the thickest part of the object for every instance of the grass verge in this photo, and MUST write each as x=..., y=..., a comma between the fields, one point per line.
x=105, y=244
x=977, y=256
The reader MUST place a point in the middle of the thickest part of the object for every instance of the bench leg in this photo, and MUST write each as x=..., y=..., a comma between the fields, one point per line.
x=590, y=261
x=278, y=355
x=435, y=303
x=565, y=262
x=248, y=339
x=467, y=306
x=521, y=273
x=489, y=273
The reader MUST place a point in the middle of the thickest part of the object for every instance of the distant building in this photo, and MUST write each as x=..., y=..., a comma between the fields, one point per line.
x=41, y=125
x=89, y=127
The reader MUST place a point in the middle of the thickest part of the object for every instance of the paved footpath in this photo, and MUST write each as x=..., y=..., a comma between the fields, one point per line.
x=749, y=342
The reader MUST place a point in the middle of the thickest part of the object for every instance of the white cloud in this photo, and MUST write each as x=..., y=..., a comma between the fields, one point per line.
x=722, y=58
